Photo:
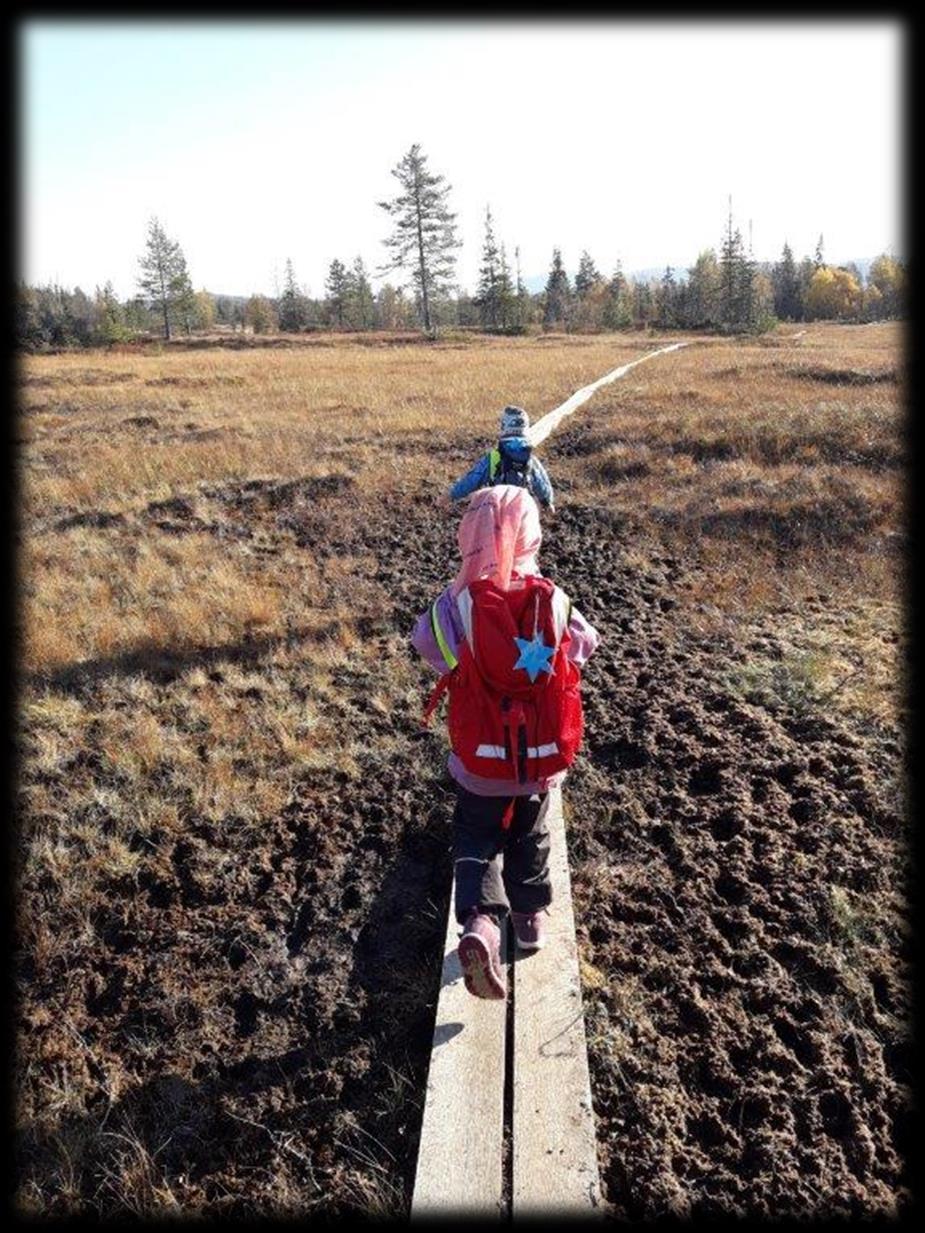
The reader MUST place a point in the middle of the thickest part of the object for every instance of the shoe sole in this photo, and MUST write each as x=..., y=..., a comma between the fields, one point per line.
x=478, y=973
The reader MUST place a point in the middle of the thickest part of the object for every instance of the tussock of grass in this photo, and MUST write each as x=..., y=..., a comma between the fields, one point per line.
x=847, y=376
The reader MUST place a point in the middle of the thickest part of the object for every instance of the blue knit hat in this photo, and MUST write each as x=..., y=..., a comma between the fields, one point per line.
x=514, y=422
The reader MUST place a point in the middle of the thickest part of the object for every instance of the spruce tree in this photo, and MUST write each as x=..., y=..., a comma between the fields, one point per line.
x=733, y=278
x=137, y=315
x=494, y=293
x=587, y=276
x=27, y=327
x=424, y=233
x=80, y=317
x=617, y=310
x=786, y=283
x=486, y=296
x=522, y=296
x=805, y=272
x=747, y=297
x=110, y=319
x=667, y=306
x=505, y=292
x=185, y=296
x=293, y=312
x=643, y=303
x=337, y=286
x=360, y=303
x=558, y=293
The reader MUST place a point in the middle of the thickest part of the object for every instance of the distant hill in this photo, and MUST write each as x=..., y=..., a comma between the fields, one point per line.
x=536, y=282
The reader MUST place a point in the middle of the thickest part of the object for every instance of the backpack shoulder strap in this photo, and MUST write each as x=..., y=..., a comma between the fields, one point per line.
x=464, y=607
x=494, y=462
x=561, y=612
x=436, y=694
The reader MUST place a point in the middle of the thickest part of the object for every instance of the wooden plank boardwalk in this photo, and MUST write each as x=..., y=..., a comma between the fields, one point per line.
x=555, y=1153
x=460, y=1158
x=553, y=1159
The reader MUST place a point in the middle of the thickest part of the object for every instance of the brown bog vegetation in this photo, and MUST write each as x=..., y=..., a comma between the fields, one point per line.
x=233, y=849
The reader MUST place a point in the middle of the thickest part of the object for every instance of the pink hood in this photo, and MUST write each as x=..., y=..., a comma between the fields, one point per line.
x=499, y=535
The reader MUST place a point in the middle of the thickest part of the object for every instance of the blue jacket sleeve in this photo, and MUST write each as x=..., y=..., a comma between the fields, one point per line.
x=476, y=478
x=540, y=485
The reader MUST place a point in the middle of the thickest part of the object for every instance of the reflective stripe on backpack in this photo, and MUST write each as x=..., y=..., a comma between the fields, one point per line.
x=449, y=658
x=533, y=751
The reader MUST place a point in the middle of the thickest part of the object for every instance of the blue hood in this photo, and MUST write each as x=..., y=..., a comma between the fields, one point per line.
x=516, y=448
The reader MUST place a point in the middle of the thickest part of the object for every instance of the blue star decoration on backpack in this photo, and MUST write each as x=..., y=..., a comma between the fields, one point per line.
x=534, y=656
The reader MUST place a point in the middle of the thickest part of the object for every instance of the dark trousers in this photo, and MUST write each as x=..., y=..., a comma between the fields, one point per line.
x=497, y=869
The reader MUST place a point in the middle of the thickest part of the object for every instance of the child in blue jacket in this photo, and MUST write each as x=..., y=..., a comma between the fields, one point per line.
x=511, y=462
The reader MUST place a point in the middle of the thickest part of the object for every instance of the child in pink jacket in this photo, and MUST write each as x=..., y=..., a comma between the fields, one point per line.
x=501, y=837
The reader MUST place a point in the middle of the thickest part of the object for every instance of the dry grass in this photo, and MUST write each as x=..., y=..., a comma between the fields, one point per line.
x=151, y=528
x=718, y=434
x=234, y=414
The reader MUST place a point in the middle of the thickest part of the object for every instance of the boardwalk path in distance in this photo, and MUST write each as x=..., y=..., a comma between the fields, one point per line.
x=538, y=432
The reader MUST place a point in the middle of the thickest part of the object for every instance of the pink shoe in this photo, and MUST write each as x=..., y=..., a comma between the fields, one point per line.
x=529, y=929
x=480, y=957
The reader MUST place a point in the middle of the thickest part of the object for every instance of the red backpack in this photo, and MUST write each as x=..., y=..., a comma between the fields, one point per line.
x=515, y=706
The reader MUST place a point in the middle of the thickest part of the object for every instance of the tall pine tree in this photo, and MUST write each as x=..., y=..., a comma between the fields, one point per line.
x=424, y=232
x=164, y=278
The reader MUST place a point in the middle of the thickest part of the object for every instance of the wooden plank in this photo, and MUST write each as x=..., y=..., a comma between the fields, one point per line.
x=459, y=1166
x=555, y=1166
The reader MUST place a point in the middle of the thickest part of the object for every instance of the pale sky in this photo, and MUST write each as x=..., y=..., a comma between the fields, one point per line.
x=257, y=141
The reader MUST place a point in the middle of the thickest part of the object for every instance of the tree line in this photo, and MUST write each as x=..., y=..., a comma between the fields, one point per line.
x=725, y=289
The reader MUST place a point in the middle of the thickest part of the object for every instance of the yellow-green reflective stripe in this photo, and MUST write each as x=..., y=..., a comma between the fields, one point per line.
x=494, y=461
x=445, y=651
